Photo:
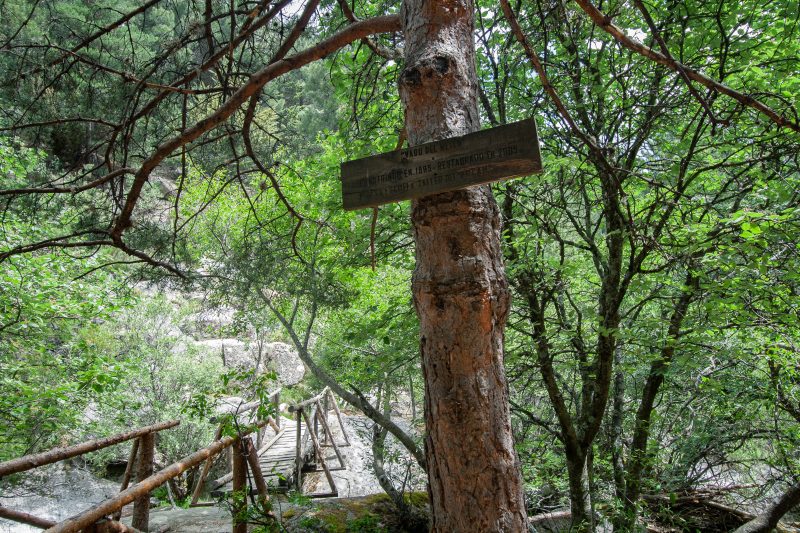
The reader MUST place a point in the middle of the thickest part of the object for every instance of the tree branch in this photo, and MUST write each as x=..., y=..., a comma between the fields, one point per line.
x=604, y=21
x=353, y=32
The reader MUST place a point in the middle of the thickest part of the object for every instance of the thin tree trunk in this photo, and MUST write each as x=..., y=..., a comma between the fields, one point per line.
x=378, y=455
x=639, y=453
x=768, y=520
x=580, y=494
x=617, y=413
x=460, y=290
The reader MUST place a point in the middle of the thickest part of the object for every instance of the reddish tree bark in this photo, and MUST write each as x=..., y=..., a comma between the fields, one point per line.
x=460, y=290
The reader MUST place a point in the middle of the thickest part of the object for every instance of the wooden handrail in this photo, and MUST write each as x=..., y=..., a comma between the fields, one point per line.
x=29, y=462
x=43, y=523
x=107, y=507
x=25, y=518
x=245, y=407
x=310, y=401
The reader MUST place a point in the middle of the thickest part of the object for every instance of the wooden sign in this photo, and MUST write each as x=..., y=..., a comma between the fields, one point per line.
x=473, y=159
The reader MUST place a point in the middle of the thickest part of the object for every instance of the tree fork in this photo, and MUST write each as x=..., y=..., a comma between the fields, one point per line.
x=460, y=289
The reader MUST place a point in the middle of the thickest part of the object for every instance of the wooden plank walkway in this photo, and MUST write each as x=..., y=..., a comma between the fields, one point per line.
x=276, y=458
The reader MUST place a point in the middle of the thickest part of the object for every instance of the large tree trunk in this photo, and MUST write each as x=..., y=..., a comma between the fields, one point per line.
x=460, y=290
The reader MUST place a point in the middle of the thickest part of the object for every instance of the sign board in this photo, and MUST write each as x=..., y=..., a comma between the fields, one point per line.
x=473, y=159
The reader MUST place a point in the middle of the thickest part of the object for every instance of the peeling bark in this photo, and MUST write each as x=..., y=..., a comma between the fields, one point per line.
x=460, y=290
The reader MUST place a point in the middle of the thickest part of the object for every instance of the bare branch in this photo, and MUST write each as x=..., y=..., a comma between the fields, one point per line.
x=68, y=190
x=604, y=21
x=353, y=32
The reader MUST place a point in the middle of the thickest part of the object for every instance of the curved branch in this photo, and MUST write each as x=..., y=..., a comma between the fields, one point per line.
x=68, y=190
x=255, y=83
x=589, y=141
x=604, y=21
x=386, y=53
x=355, y=398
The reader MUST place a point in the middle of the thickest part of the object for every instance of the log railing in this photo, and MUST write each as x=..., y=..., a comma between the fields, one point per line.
x=242, y=409
x=145, y=486
x=309, y=410
x=59, y=454
x=104, y=517
x=145, y=441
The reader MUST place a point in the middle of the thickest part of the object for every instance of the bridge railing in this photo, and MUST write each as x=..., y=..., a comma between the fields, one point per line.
x=306, y=411
x=104, y=517
x=236, y=411
x=144, y=440
x=96, y=516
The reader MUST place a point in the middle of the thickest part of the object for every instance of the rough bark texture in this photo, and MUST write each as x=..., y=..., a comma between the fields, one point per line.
x=580, y=493
x=141, y=506
x=460, y=290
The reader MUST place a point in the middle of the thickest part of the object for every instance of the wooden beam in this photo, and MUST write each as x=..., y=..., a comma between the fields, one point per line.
x=57, y=454
x=327, y=431
x=107, y=507
x=339, y=418
x=298, y=465
x=25, y=518
x=126, y=477
x=144, y=469
x=201, y=481
x=310, y=401
x=255, y=469
x=320, y=453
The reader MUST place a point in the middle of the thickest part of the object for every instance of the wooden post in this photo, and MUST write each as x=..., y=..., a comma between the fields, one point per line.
x=126, y=477
x=278, y=408
x=339, y=418
x=298, y=460
x=239, y=507
x=201, y=481
x=325, y=408
x=141, y=506
x=316, y=419
x=255, y=469
x=321, y=456
x=327, y=431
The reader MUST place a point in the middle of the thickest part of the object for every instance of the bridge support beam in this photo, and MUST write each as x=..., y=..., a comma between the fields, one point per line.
x=141, y=506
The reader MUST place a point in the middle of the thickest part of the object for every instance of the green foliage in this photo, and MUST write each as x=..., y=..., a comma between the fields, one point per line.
x=688, y=204
x=53, y=365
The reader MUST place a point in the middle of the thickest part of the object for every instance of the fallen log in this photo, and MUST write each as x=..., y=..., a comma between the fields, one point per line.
x=706, y=514
x=771, y=516
x=554, y=521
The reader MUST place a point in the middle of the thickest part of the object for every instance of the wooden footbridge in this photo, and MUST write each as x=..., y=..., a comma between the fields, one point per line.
x=274, y=462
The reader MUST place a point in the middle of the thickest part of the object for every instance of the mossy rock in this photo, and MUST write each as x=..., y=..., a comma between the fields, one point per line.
x=368, y=514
